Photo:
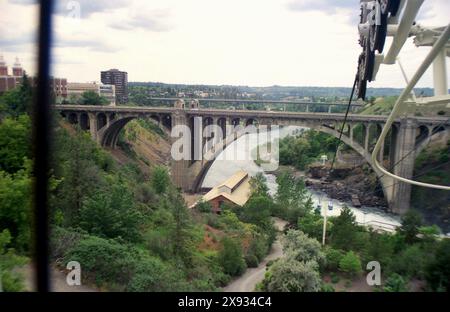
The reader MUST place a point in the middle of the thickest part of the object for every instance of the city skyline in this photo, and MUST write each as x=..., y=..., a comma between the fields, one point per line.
x=256, y=43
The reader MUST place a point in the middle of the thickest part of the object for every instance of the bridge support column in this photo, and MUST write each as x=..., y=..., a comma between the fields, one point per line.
x=403, y=157
x=366, y=138
x=180, y=167
x=381, y=154
x=93, y=126
x=329, y=109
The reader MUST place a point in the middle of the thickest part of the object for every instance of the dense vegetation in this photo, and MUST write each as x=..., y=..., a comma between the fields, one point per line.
x=414, y=255
x=129, y=230
x=432, y=165
x=306, y=148
x=15, y=184
x=87, y=98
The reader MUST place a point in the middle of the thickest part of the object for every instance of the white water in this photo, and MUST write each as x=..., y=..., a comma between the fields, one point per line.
x=222, y=169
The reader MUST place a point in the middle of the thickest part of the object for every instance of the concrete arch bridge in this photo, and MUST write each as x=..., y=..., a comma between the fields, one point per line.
x=408, y=136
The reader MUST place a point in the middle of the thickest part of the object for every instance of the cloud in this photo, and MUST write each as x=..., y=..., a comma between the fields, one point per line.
x=327, y=6
x=82, y=8
x=151, y=21
x=23, y=2
x=17, y=43
x=92, y=44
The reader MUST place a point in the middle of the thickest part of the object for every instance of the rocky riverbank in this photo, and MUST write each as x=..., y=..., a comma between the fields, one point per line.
x=343, y=183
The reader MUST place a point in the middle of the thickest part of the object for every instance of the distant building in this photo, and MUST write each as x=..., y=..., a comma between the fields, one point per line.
x=235, y=190
x=109, y=92
x=8, y=82
x=120, y=80
x=59, y=87
x=76, y=89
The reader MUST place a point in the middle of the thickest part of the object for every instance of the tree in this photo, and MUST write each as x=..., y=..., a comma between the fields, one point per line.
x=350, y=264
x=395, y=283
x=438, y=271
x=411, y=262
x=111, y=214
x=15, y=210
x=411, y=222
x=160, y=179
x=257, y=210
x=300, y=247
x=204, y=206
x=231, y=258
x=289, y=275
x=312, y=224
x=18, y=101
x=92, y=98
x=381, y=248
x=344, y=230
x=10, y=281
x=333, y=258
x=15, y=142
x=75, y=162
x=181, y=227
x=291, y=199
x=259, y=186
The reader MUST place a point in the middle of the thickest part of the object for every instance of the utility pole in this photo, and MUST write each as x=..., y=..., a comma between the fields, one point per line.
x=324, y=234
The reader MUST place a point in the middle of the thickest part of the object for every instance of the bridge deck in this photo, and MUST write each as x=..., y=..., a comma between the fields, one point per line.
x=243, y=113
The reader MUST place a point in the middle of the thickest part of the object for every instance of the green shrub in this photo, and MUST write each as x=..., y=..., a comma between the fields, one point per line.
x=230, y=257
x=251, y=260
x=333, y=258
x=335, y=278
x=104, y=260
x=411, y=262
x=204, y=207
x=350, y=264
x=327, y=288
x=395, y=283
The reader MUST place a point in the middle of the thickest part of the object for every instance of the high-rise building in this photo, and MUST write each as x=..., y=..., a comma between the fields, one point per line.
x=120, y=80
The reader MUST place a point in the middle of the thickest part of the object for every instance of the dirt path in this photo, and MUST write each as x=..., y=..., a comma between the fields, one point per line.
x=247, y=282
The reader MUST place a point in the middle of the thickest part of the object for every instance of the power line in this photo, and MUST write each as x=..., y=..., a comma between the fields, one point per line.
x=407, y=154
x=391, y=167
x=415, y=176
x=343, y=124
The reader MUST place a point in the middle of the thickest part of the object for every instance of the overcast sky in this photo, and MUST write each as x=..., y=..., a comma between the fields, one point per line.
x=238, y=42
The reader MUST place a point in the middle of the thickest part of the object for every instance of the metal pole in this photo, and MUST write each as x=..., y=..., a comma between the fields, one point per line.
x=41, y=145
x=440, y=74
x=324, y=226
x=413, y=95
x=437, y=47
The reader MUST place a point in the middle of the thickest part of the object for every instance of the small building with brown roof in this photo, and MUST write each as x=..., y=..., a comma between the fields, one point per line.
x=235, y=190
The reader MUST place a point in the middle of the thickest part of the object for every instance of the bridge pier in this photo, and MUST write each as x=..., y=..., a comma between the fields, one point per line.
x=93, y=125
x=402, y=156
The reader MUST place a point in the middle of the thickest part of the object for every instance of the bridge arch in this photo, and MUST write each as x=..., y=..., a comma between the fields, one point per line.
x=84, y=121
x=200, y=170
x=101, y=120
x=73, y=118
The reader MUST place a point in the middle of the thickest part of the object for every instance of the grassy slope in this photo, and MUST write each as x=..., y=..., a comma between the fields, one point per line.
x=381, y=106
